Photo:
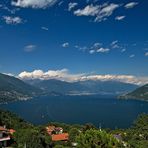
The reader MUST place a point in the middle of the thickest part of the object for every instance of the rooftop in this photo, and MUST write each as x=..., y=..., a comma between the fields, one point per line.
x=60, y=137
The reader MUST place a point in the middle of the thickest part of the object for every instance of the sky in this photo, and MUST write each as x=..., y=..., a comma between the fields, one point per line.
x=74, y=38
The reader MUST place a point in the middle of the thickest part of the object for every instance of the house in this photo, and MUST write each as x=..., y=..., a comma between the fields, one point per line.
x=5, y=136
x=58, y=130
x=118, y=137
x=54, y=130
x=56, y=133
x=60, y=137
x=50, y=129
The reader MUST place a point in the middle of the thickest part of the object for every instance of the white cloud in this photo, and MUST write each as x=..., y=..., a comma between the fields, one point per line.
x=33, y=3
x=89, y=10
x=103, y=50
x=9, y=74
x=123, y=50
x=71, y=6
x=92, y=51
x=65, y=75
x=146, y=54
x=122, y=78
x=62, y=74
x=96, y=45
x=12, y=20
x=100, y=12
x=95, y=48
x=119, y=18
x=29, y=48
x=115, y=44
x=131, y=5
x=44, y=28
x=65, y=45
x=132, y=56
x=60, y=3
x=106, y=11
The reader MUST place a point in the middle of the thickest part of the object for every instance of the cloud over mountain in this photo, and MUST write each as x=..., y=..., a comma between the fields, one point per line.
x=65, y=75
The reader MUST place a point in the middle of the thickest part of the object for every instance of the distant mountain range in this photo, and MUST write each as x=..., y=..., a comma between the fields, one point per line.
x=140, y=93
x=12, y=89
x=83, y=87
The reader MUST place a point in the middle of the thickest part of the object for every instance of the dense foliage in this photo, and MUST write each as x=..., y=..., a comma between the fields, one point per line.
x=137, y=136
x=97, y=139
x=86, y=136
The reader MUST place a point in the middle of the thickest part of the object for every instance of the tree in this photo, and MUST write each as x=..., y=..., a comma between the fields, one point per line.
x=29, y=138
x=137, y=136
x=73, y=133
x=97, y=139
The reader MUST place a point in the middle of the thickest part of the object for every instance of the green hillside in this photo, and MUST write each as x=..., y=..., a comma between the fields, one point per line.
x=140, y=93
x=12, y=89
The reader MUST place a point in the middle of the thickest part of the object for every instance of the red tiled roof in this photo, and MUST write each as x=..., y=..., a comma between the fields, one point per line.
x=60, y=137
x=2, y=128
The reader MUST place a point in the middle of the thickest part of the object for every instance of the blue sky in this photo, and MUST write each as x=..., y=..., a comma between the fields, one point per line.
x=89, y=36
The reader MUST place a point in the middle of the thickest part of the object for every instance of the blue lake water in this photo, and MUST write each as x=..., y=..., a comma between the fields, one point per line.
x=109, y=111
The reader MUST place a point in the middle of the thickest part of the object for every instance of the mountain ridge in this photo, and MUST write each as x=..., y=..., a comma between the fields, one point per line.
x=140, y=93
x=13, y=89
x=82, y=87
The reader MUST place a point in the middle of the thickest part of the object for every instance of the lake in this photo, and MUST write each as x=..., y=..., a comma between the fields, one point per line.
x=109, y=111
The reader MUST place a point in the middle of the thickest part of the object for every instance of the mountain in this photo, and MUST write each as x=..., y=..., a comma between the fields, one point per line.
x=83, y=87
x=12, y=89
x=140, y=93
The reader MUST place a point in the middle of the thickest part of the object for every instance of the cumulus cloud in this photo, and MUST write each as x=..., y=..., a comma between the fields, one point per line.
x=62, y=74
x=29, y=48
x=92, y=51
x=12, y=20
x=121, y=78
x=131, y=5
x=146, y=54
x=115, y=44
x=95, y=48
x=65, y=75
x=65, y=45
x=71, y=6
x=89, y=10
x=44, y=28
x=33, y=3
x=100, y=12
x=106, y=11
x=119, y=18
x=123, y=50
x=102, y=50
x=132, y=56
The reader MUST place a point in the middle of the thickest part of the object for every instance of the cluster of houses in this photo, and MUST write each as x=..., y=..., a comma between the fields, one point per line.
x=5, y=136
x=57, y=134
